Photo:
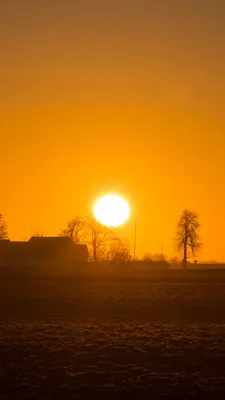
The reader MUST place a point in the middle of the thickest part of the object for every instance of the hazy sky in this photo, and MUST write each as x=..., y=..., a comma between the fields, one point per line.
x=116, y=95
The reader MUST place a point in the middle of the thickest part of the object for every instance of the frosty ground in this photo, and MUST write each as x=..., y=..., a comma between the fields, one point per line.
x=112, y=337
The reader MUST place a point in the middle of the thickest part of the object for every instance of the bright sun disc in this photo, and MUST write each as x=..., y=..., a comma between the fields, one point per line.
x=111, y=210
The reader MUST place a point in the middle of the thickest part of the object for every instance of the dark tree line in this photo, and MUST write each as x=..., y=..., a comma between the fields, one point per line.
x=104, y=243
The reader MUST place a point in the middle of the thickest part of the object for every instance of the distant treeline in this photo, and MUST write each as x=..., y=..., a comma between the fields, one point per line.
x=104, y=243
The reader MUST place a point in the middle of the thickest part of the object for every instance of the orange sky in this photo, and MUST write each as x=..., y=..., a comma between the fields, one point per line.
x=115, y=95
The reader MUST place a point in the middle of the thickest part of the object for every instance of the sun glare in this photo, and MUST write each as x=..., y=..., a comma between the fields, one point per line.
x=111, y=210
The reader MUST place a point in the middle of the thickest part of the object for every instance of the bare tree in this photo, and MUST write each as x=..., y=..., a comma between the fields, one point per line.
x=75, y=229
x=99, y=238
x=118, y=251
x=3, y=229
x=187, y=234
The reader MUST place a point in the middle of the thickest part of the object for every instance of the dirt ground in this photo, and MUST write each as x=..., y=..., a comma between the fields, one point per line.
x=113, y=338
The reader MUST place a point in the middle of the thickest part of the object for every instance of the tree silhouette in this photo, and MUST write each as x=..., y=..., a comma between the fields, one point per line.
x=75, y=229
x=118, y=251
x=89, y=231
x=3, y=229
x=98, y=237
x=187, y=234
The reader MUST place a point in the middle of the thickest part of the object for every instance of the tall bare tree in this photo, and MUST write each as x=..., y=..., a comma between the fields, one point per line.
x=99, y=237
x=3, y=229
x=188, y=238
x=75, y=229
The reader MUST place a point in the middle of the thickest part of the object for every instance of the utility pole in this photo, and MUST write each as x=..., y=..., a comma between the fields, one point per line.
x=135, y=239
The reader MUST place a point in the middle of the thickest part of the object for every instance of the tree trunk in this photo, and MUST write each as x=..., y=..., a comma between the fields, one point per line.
x=185, y=253
x=94, y=249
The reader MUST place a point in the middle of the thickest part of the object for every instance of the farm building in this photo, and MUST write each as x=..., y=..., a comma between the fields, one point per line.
x=41, y=251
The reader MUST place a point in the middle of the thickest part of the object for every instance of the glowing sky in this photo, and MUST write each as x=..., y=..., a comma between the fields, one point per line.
x=118, y=95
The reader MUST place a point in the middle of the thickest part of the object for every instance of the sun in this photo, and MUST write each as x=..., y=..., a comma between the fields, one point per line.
x=111, y=210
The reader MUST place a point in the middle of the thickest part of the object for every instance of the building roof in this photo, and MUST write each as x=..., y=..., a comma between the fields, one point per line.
x=50, y=239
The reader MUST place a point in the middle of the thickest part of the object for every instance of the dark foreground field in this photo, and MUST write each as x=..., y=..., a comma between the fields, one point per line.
x=113, y=338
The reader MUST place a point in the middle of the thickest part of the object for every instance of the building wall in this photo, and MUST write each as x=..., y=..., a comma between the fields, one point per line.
x=42, y=252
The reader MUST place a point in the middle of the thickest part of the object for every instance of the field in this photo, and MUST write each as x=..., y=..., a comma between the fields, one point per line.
x=68, y=337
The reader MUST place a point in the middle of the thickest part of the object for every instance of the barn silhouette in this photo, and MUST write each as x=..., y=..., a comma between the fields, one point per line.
x=41, y=251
